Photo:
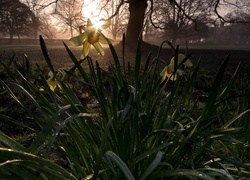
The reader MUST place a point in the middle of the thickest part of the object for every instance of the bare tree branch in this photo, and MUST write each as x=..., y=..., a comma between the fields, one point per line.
x=43, y=6
x=117, y=10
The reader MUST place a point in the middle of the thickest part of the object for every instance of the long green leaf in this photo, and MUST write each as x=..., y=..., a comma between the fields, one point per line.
x=209, y=108
x=153, y=165
x=15, y=121
x=181, y=172
x=101, y=149
x=10, y=143
x=61, y=126
x=40, y=139
x=36, y=163
x=235, y=119
x=221, y=172
x=123, y=167
x=236, y=162
x=46, y=55
x=6, y=87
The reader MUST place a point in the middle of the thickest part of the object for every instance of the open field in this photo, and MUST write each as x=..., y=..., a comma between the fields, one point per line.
x=210, y=56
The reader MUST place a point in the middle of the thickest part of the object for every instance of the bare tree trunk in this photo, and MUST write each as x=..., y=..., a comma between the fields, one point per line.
x=71, y=31
x=137, y=10
x=11, y=38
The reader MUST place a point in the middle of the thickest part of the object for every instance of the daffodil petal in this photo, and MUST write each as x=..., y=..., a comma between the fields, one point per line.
x=52, y=84
x=89, y=30
x=181, y=57
x=78, y=40
x=172, y=61
x=99, y=48
x=180, y=72
x=50, y=74
x=104, y=40
x=171, y=67
x=89, y=23
x=171, y=70
x=106, y=24
x=85, y=49
x=164, y=76
x=188, y=63
x=164, y=71
x=173, y=78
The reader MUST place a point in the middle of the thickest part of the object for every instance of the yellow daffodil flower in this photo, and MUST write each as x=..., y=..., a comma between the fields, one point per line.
x=53, y=84
x=85, y=95
x=91, y=36
x=169, y=69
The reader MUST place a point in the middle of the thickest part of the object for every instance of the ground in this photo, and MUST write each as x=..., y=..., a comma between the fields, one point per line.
x=211, y=58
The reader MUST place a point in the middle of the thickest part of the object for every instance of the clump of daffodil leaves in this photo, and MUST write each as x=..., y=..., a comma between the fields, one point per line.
x=92, y=36
x=168, y=70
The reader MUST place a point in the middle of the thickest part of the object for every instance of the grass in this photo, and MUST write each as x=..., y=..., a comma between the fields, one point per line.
x=211, y=55
x=58, y=54
x=140, y=128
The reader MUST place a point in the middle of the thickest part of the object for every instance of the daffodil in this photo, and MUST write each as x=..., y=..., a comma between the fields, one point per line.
x=85, y=95
x=168, y=70
x=53, y=84
x=91, y=36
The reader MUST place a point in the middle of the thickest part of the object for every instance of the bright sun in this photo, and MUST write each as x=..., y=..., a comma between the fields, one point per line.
x=90, y=10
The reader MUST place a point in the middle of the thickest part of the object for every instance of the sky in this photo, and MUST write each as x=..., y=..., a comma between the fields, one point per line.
x=90, y=10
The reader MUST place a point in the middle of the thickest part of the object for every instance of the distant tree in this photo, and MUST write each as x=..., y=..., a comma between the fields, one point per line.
x=233, y=17
x=16, y=19
x=186, y=22
x=149, y=30
x=69, y=14
x=137, y=10
x=120, y=21
x=238, y=9
x=43, y=27
x=46, y=28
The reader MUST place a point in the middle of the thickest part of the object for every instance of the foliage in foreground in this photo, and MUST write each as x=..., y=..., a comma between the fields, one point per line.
x=142, y=128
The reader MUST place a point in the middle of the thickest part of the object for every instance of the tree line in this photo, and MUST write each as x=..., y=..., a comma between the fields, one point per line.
x=174, y=19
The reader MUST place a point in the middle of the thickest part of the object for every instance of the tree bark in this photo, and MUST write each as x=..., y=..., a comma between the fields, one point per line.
x=137, y=10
